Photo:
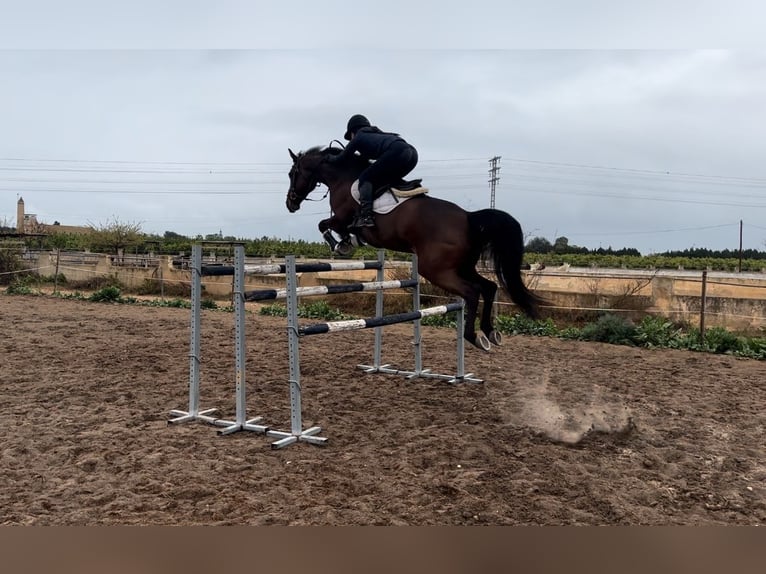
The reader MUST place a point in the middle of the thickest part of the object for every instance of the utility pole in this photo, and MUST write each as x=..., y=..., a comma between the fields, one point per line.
x=493, y=179
x=740, y=246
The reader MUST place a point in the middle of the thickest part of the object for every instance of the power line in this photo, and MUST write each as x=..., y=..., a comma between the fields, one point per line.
x=648, y=198
x=637, y=170
x=652, y=231
x=628, y=186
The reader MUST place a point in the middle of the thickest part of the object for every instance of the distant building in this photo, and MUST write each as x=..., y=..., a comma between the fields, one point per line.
x=27, y=223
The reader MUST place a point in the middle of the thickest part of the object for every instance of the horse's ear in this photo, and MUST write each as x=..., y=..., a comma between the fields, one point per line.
x=292, y=155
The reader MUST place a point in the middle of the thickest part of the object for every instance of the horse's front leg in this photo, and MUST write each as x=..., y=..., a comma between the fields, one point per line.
x=326, y=228
x=326, y=231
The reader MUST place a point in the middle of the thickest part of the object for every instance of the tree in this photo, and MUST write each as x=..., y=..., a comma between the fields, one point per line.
x=539, y=245
x=561, y=244
x=114, y=236
x=10, y=262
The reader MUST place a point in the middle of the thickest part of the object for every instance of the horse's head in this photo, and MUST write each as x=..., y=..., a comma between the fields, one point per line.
x=304, y=177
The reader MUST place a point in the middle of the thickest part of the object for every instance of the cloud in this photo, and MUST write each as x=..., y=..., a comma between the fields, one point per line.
x=182, y=121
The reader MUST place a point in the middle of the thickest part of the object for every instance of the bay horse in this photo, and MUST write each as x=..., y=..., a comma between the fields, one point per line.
x=447, y=239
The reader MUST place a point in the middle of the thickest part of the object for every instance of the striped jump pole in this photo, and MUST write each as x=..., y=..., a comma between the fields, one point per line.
x=280, y=269
x=415, y=316
x=272, y=294
x=355, y=324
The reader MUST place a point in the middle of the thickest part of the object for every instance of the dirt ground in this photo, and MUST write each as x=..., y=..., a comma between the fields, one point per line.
x=560, y=432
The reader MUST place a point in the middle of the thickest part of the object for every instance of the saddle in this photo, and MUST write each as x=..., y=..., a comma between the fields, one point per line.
x=402, y=188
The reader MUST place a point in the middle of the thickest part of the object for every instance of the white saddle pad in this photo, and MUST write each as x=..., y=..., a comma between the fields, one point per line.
x=386, y=202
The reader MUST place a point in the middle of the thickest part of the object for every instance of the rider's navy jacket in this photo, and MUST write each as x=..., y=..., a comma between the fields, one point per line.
x=371, y=143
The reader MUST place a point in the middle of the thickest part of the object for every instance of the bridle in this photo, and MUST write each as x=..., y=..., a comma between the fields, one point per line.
x=314, y=182
x=296, y=171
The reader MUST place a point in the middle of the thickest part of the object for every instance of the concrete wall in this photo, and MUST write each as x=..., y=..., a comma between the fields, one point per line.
x=734, y=300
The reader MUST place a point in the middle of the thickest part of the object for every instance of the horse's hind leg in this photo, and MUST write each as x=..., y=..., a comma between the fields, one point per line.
x=451, y=281
x=488, y=291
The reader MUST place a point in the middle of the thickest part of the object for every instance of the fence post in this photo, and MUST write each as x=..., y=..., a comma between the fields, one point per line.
x=703, y=303
x=162, y=280
x=56, y=277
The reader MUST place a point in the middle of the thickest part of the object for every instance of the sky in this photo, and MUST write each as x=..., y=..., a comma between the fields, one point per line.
x=617, y=124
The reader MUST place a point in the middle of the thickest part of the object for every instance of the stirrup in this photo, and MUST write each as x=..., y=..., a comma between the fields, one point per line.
x=365, y=220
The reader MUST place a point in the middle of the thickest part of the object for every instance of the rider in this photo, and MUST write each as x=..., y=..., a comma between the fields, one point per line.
x=394, y=158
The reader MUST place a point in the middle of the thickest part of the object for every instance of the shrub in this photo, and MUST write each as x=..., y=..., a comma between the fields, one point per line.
x=177, y=303
x=571, y=333
x=447, y=320
x=610, y=329
x=107, y=294
x=523, y=325
x=754, y=348
x=10, y=262
x=316, y=310
x=19, y=288
x=656, y=332
x=273, y=310
x=321, y=310
x=76, y=296
x=719, y=340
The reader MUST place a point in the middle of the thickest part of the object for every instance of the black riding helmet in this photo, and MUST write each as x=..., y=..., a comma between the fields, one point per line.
x=354, y=123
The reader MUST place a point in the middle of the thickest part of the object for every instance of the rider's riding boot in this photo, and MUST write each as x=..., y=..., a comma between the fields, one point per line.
x=364, y=218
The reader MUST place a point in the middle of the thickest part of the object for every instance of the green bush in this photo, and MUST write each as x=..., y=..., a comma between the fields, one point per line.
x=656, y=332
x=10, y=263
x=316, y=310
x=321, y=310
x=523, y=325
x=610, y=329
x=19, y=288
x=719, y=340
x=76, y=296
x=107, y=294
x=754, y=348
x=446, y=320
x=176, y=303
x=687, y=340
x=571, y=333
x=273, y=310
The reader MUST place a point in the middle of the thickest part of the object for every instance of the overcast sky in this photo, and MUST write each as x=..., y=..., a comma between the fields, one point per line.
x=178, y=115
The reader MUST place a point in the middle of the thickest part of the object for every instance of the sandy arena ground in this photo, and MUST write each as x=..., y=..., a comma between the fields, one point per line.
x=561, y=432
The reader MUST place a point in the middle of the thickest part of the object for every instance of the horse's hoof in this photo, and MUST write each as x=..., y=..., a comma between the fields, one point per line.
x=344, y=248
x=495, y=337
x=481, y=341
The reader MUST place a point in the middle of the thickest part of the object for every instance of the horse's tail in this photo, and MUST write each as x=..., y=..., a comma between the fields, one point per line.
x=497, y=235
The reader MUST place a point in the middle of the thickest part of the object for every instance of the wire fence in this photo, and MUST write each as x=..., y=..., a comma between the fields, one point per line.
x=747, y=310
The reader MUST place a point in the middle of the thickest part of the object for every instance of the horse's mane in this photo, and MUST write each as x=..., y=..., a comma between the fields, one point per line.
x=322, y=150
x=354, y=160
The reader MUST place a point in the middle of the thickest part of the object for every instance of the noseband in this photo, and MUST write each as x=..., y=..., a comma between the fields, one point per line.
x=314, y=182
